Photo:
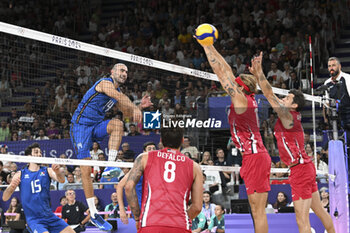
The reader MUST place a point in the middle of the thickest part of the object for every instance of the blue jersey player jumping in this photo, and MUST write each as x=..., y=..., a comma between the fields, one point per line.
x=148, y=146
x=88, y=125
x=34, y=183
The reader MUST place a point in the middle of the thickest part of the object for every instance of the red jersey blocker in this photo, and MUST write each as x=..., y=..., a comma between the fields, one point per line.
x=167, y=184
x=256, y=162
x=290, y=144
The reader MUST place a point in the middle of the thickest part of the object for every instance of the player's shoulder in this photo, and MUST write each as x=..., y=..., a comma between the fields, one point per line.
x=345, y=75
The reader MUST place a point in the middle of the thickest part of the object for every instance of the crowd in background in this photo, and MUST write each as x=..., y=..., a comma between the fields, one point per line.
x=160, y=30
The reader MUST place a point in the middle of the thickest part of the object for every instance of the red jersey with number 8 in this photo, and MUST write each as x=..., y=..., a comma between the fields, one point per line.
x=167, y=184
x=245, y=130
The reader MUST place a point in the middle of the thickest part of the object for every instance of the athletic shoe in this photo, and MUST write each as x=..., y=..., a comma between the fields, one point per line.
x=111, y=172
x=99, y=222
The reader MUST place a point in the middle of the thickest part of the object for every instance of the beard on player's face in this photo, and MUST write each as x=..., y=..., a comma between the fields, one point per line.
x=334, y=72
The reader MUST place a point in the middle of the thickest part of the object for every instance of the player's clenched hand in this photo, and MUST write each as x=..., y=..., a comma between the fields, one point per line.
x=55, y=168
x=123, y=217
x=146, y=102
x=137, y=115
x=15, y=181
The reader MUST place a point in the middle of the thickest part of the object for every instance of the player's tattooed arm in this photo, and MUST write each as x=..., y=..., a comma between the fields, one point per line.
x=134, y=176
x=223, y=71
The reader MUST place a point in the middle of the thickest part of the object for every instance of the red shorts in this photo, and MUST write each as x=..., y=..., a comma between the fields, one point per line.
x=255, y=172
x=159, y=229
x=302, y=180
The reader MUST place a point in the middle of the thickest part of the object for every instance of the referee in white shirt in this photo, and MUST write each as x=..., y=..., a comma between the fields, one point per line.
x=339, y=88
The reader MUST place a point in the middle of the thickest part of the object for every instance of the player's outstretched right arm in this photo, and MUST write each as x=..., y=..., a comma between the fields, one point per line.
x=224, y=73
x=12, y=187
x=124, y=103
x=196, y=192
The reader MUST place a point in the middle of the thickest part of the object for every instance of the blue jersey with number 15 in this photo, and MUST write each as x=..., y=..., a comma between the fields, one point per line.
x=94, y=105
x=35, y=193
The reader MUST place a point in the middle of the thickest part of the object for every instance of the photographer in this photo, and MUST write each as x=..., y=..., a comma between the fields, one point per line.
x=338, y=87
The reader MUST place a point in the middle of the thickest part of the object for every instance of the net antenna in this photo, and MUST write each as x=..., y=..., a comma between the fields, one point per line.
x=313, y=104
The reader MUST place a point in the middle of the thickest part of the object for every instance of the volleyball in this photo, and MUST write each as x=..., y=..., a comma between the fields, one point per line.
x=206, y=34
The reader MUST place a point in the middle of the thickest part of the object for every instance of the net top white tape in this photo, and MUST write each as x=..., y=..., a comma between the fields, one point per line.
x=78, y=45
x=84, y=162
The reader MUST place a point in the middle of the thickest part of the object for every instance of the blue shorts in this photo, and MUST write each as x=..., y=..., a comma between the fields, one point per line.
x=52, y=224
x=83, y=136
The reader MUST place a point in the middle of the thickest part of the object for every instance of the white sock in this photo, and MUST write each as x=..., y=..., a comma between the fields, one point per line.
x=92, y=207
x=112, y=155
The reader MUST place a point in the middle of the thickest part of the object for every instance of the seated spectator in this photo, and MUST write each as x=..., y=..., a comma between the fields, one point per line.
x=97, y=205
x=186, y=147
x=159, y=91
x=113, y=207
x=95, y=151
x=239, y=66
x=205, y=158
x=225, y=176
x=167, y=111
x=282, y=201
x=274, y=76
x=63, y=202
x=3, y=174
x=189, y=98
x=286, y=74
x=178, y=99
x=212, y=182
x=27, y=135
x=77, y=175
x=74, y=212
x=13, y=167
x=325, y=198
x=16, y=208
x=163, y=100
x=99, y=170
x=208, y=208
x=133, y=130
x=83, y=78
x=294, y=82
x=321, y=166
x=14, y=137
x=71, y=184
x=128, y=155
x=199, y=223
x=108, y=186
x=3, y=149
x=60, y=99
x=41, y=135
x=234, y=157
x=12, y=209
x=52, y=131
x=309, y=151
x=184, y=37
x=120, y=155
x=217, y=222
